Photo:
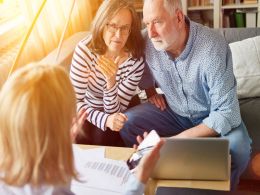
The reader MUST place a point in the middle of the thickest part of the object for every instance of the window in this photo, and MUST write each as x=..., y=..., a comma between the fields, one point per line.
x=11, y=30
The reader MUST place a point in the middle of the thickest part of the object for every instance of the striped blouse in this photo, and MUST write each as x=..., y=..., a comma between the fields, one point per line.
x=90, y=84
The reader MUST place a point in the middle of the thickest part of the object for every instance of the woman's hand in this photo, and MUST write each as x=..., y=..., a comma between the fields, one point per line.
x=77, y=123
x=116, y=121
x=145, y=168
x=108, y=66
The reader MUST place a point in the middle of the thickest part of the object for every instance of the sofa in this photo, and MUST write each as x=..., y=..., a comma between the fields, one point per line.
x=249, y=99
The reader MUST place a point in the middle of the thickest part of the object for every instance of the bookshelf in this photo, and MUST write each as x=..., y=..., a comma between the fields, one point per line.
x=215, y=13
x=201, y=11
x=245, y=14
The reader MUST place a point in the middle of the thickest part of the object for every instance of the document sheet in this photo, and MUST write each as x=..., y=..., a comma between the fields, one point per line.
x=97, y=174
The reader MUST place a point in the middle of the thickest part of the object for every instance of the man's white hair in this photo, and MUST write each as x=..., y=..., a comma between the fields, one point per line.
x=171, y=5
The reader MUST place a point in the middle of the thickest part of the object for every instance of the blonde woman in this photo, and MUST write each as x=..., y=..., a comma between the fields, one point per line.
x=37, y=107
x=106, y=68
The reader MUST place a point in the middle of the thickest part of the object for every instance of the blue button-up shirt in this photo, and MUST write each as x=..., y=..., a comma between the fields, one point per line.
x=198, y=84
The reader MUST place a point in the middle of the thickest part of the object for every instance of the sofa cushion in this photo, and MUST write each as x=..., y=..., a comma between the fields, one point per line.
x=246, y=64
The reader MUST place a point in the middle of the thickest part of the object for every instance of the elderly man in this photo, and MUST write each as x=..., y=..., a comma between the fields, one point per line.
x=193, y=67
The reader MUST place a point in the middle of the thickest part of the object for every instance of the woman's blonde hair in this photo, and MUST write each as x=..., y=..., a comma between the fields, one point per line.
x=107, y=10
x=37, y=105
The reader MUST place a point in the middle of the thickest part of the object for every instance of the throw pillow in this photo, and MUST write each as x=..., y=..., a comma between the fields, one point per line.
x=246, y=65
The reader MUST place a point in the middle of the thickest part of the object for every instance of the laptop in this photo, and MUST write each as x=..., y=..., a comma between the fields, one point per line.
x=193, y=159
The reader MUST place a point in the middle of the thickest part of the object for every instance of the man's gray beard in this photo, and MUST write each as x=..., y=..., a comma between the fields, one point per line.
x=158, y=48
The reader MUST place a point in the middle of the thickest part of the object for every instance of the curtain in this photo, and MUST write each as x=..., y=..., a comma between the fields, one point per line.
x=50, y=24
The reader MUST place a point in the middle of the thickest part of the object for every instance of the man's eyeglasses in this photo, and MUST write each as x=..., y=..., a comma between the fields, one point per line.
x=113, y=28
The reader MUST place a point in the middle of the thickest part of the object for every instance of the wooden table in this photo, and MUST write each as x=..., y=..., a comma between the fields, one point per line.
x=120, y=153
x=115, y=153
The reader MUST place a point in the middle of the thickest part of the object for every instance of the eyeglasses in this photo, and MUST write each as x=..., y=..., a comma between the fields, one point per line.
x=113, y=28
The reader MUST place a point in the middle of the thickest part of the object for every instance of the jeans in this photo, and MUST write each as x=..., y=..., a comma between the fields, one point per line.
x=146, y=117
x=92, y=135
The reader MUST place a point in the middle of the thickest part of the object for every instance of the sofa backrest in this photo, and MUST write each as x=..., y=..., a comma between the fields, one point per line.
x=237, y=34
x=66, y=51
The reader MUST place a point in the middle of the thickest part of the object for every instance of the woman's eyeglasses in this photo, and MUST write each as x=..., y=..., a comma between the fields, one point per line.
x=113, y=28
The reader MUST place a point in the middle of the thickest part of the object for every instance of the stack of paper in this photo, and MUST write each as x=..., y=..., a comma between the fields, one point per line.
x=98, y=175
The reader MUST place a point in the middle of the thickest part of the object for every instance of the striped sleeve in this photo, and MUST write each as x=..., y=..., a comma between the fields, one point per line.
x=97, y=118
x=79, y=73
x=81, y=79
x=118, y=97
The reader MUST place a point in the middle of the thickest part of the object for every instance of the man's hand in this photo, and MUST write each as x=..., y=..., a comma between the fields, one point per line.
x=158, y=101
x=145, y=167
x=77, y=123
x=116, y=121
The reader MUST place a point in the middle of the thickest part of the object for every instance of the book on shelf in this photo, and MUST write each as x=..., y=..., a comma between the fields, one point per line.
x=251, y=19
x=240, y=19
x=226, y=21
x=206, y=2
x=193, y=3
x=195, y=16
x=203, y=17
x=250, y=1
x=228, y=2
x=229, y=20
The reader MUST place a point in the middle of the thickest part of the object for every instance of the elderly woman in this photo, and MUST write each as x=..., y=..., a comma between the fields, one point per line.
x=106, y=68
x=37, y=106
